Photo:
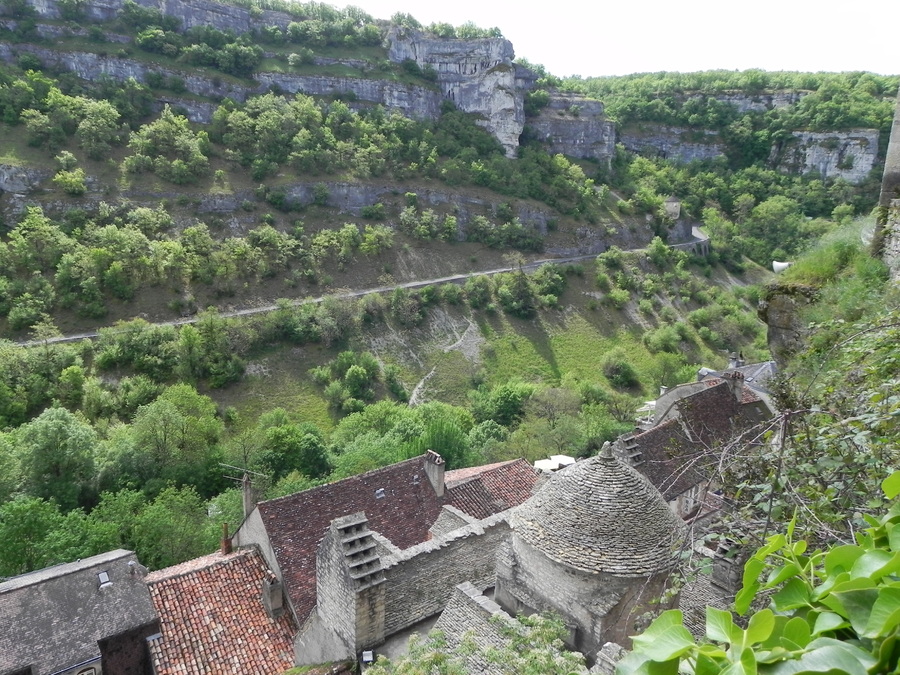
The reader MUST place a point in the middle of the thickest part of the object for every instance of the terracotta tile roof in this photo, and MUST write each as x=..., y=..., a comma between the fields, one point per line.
x=212, y=619
x=297, y=523
x=485, y=490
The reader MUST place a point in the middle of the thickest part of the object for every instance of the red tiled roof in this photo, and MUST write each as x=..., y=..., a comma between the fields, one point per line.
x=297, y=523
x=213, y=621
x=485, y=490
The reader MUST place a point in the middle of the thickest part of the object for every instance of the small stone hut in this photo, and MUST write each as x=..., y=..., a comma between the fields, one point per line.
x=596, y=545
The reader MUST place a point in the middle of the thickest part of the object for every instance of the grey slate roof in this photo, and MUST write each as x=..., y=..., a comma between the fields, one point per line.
x=52, y=618
x=600, y=515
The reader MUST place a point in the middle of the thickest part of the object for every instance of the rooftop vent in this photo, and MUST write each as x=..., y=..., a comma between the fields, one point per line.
x=103, y=579
x=379, y=493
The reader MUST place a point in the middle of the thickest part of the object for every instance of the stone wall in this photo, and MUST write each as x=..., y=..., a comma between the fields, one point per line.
x=891, y=247
x=420, y=579
x=890, y=183
x=889, y=218
x=597, y=607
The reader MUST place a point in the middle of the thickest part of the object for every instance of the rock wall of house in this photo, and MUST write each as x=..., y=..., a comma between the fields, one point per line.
x=890, y=183
x=891, y=248
x=889, y=218
x=599, y=607
x=420, y=580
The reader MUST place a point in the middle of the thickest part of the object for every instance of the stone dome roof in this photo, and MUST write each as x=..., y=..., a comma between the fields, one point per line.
x=600, y=515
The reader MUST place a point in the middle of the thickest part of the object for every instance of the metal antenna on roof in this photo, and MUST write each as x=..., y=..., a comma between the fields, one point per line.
x=246, y=483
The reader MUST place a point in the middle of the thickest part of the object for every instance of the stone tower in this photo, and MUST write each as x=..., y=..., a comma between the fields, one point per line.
x=890, y=200
x=596, y=545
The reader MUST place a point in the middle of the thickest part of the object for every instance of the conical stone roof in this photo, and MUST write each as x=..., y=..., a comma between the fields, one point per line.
x=600, y=515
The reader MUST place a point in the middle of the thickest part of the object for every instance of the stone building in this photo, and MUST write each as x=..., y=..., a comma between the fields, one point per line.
x=87, y=617
x=373, y=555
x=596, y=545
x=691, y=424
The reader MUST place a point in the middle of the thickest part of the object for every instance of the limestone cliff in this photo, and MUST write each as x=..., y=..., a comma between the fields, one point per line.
x=834, y=154
x=671, y=142
x=780, y=310
x=574, y=125
x=477, y=75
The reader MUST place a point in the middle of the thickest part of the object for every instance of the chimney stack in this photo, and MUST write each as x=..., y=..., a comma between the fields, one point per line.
x=735, y=380
x=434, y=469
x=226, y=540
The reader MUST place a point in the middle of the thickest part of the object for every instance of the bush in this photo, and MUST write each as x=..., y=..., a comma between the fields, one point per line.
x=71, y=182
x=618, y=297
x=620, y=373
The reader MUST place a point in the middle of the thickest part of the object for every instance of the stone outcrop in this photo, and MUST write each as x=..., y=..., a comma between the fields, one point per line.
x=190, y=12
x=833, y=154
x=574, y=125
x=410, y=100
x=477, y=75
x=780, y=310
x=20, y=179
x=671, y=142
x=745, y=103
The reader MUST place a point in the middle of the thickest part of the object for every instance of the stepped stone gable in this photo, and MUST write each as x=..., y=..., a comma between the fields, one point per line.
x=484, y=491
x=600, y=515
x=297, y=523
x=214, y=618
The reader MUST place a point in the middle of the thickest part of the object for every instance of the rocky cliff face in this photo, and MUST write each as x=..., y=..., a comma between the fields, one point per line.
x=835, y=154
x=759, y=102
x=575, y=126
x=478, y=75
x=410, y=100
x=670, y=142
x=190, y=12
x=780, y=311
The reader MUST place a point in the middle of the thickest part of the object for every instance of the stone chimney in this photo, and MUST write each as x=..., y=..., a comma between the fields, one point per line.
x=735, y=380
x=272, y=596
x=434, y=469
